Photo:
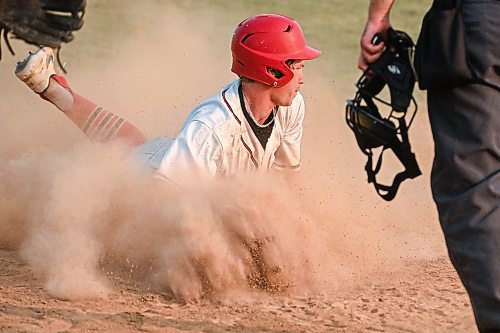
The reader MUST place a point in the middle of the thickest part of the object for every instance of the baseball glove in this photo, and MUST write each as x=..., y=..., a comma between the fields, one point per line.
x=41, y=22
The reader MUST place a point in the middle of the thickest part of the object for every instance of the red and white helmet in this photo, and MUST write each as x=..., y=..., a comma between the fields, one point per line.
x=268, y=41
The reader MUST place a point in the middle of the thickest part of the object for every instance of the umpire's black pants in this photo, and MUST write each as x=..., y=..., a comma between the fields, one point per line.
x=466, y=171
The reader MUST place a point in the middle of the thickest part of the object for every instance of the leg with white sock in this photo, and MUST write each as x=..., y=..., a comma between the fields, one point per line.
x=98, y=124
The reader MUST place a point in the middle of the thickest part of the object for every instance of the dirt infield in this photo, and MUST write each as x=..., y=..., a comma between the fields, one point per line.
x=403, y=301
x=85, y=246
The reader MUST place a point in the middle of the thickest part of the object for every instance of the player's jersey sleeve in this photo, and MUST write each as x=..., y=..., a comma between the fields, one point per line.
x=287, y=155
x=196, y=151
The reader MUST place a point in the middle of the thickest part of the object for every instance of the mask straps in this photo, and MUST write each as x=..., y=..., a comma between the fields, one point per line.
x=402, y=150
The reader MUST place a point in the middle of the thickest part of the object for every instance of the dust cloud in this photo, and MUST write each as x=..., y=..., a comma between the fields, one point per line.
x=88, y=213
x=82, y=215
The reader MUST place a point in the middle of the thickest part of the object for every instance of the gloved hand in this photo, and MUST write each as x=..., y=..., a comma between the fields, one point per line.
x=41, y=22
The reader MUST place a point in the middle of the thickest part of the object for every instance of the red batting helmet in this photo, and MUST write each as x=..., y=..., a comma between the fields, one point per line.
x=268, y=41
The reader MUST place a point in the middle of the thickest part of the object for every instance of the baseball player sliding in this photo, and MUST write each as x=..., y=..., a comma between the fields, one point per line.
x=254, y=123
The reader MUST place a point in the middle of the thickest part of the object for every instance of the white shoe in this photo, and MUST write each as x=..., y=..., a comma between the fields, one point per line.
x=37, y=69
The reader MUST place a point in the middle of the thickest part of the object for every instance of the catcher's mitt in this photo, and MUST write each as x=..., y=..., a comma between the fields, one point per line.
x=41, y=22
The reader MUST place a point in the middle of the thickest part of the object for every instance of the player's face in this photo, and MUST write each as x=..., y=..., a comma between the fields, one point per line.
x=284, y=96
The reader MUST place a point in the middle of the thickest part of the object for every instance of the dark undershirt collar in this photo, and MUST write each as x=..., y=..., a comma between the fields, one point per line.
x=263, y=133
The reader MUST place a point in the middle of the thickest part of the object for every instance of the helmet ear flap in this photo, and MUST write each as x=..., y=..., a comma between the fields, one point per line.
x=275, y=72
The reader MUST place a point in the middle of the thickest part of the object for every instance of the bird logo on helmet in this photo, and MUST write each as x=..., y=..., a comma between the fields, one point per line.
x=265, y=42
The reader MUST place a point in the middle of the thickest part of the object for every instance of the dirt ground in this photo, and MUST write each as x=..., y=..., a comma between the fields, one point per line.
x=397, y=302
x=56, y=210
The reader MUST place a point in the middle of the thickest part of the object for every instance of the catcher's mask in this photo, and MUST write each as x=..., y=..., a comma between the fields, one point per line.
x=372, y=130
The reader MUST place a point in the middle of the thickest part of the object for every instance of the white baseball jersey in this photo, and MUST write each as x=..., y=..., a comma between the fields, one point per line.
x=217, y=139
